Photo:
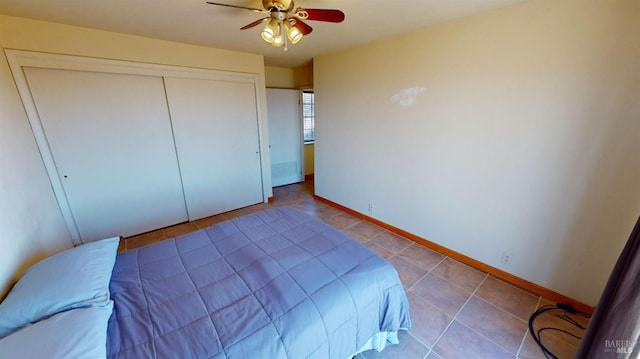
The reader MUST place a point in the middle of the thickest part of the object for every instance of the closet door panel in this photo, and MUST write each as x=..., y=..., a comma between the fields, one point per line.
x=111, y=140
x=215, y=128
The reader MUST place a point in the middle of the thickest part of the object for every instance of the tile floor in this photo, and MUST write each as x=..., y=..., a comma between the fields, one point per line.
x=456, y=311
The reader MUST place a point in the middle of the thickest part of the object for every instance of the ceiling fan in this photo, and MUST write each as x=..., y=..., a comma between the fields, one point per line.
x=284, y=22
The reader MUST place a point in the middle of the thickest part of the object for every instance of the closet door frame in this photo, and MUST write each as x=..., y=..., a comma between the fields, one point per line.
x=18, y=59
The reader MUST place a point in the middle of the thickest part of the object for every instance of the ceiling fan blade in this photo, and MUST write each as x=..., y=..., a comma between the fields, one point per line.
x=300, y=25
x=255, y=23
x=238, y=7
x=328, y=15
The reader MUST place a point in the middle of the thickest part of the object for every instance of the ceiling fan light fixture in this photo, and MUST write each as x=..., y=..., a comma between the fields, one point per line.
x=294, y=34
x=284, y=25
x=278, y=41
x=279, y=38
x=269, y=33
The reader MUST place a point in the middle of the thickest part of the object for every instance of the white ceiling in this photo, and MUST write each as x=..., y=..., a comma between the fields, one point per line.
x=195, y=22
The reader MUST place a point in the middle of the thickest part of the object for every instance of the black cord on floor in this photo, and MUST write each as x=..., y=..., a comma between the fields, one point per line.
x=536, y=334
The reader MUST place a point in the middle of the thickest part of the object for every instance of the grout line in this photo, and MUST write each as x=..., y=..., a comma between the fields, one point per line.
x=526, y=333
x=450, y=282
x=352, y=224
x=405, y=247
x=513, y=286
x=437, y=264
x=414, y=284
x=418, y=339
x=445, y=279
x=502, y=309
x=458, y=312
x=482, y=335
x=389, y=249
x=426, y=274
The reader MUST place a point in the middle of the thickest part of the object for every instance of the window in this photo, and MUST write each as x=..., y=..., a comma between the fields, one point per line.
x=308, y=116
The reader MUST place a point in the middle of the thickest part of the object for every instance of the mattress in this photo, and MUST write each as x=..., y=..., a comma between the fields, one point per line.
x=274, y=284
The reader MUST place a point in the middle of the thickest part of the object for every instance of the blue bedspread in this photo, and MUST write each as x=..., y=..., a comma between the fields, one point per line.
x=275, y=284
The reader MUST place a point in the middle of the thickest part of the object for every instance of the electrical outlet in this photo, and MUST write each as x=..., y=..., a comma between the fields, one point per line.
x=506, y=258
x=370, y=208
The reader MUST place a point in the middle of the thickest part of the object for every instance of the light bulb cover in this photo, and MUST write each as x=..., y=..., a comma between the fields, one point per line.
x=294, y=34
x=278, y=41
x=269, y=33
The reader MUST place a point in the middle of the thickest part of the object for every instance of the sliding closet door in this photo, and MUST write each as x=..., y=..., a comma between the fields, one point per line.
x=215, y=128
x=110, y=136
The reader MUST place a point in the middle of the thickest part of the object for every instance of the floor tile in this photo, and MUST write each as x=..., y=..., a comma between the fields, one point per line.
x=364, y=231
x=461, y=342
x=342, y=221
x=328, y=211
x=308, y=205
x=391, y=241
x=381, y=251
x=428, y=322
x=408, y=348
x=286, y=196
x=409, y=272
x=554, y=319
x=494, y=323
x=433, y=355
x=558, y=347
x=422, y=256
x=445, y=295
x=459, y=274
x=311, y=210
x=508, y=297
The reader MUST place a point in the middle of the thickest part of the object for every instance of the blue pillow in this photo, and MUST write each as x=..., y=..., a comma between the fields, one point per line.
x=78, y=333
x=76, y=278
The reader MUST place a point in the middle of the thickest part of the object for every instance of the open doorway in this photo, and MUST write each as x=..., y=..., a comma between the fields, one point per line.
x=285, y=136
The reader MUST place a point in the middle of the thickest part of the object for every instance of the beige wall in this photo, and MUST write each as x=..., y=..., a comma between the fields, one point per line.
x=30, y=219
x=523, y=137
x=290, y=78
x=309, y=157
x=303, y=76
x=279, y=77
x=24, y=34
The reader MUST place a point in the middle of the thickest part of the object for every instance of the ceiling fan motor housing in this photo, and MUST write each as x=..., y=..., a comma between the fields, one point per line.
x=279, y=5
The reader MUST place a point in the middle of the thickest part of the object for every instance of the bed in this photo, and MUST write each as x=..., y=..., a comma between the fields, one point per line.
x=274, y=284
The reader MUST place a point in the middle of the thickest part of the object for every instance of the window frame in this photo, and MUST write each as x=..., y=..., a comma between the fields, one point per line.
x=308, y=121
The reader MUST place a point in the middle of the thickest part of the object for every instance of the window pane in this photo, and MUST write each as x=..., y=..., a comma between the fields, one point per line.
x=308, y=116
